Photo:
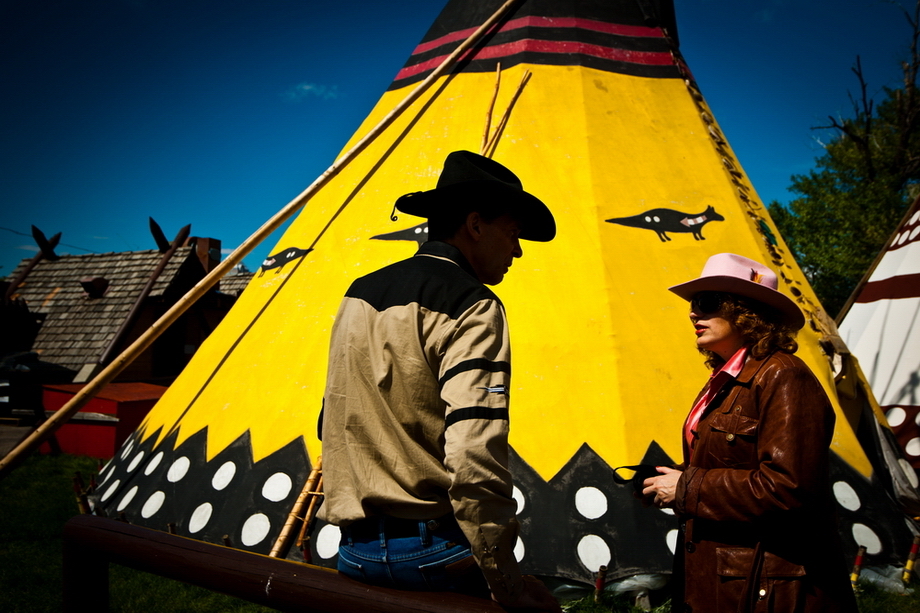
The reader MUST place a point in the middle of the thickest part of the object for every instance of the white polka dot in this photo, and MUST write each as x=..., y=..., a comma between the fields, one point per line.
x=648, y=219
x=519, y=550
x=277, y=487
x=255, y=529
x=134, y=463
x=671, y=539
x=418, y=230
x=593, y=552
x=865, y=537
x=426, y=229
x=126, y=450
x=915, y=218
x=108, y=493
x=153, y=504
x=200, y=517
x=657, y=219
x=909, y=472
x=846, y=496
x=109, y=468
x=590, y=502
x=902, y=238
x=126, y=499
x=178, y=469
x=917, y=418
x=153, y=463
x=913, y=446
x=518, y=496
x=896, y=416
x=223, y=476
x=914, y=233
x=327, y=541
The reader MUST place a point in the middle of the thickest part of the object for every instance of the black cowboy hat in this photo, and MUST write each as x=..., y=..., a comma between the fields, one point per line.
x=471, y=177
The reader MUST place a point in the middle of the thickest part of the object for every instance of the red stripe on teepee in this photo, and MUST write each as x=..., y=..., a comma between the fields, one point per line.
x=548, y=22
x=649, y=58
x=903, y=286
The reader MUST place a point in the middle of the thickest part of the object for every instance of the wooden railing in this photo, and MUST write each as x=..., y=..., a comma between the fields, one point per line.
x=91, y=542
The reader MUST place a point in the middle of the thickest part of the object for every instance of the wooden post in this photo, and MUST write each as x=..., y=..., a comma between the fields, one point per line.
x=911, y=560
x=599, y=583
x=857, y=565
x=86, y=571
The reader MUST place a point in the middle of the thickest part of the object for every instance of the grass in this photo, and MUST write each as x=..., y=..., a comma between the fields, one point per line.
x=869, y=597
x=37, y=499
x=615, y=603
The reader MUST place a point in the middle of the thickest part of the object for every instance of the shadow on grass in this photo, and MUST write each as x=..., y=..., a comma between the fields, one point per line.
x=37, y=500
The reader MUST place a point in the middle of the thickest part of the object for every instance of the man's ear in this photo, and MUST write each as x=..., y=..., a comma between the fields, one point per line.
x=474, y=225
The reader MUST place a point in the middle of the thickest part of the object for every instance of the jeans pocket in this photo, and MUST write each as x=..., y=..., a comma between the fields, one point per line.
x=456, y=571
x=351, y=568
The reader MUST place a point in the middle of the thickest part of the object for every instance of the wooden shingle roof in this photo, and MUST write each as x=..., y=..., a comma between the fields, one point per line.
x=234, y=284
x=77, y=328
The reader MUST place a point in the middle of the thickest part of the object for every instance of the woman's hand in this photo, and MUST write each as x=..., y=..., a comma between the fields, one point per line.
x=661, y=490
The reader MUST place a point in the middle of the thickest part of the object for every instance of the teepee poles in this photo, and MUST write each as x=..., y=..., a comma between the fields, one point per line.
x=489, y=149
x=485, y=132
x=309, y=491
x=202, y=287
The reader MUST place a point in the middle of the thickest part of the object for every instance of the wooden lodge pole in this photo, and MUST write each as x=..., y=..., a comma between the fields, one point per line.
x=281, y=543
x=106, y=375
x=485, y=132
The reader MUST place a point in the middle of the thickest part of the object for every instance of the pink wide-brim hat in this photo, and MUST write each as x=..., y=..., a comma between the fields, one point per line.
x=734, y=274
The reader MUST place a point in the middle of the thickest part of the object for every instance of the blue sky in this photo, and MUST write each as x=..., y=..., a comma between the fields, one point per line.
x=217, y=113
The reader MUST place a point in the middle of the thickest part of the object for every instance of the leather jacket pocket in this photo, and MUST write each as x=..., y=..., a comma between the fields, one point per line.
x=737, y=562
x=732, y=439
x=778, y=588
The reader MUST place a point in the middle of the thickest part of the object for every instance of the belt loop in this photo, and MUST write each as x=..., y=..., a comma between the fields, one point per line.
x=423, y=533
x=381, y=531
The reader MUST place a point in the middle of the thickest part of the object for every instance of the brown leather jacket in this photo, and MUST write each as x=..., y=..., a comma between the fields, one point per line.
x=757, y=518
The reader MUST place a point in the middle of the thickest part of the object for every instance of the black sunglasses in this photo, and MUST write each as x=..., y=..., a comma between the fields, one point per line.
x=707, y=302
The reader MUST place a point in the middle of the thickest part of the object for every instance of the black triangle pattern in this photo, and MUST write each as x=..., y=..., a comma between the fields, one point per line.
x=579, y=519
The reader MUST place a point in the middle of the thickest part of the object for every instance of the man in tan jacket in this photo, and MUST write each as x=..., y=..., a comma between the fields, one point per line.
x=415, y=427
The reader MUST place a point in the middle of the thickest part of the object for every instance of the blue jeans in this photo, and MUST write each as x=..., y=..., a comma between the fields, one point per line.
x=438, y=560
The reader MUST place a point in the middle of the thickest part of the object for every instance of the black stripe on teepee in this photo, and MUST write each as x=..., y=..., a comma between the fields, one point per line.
x=614, y=40
x=579, y=519
x=174, y=487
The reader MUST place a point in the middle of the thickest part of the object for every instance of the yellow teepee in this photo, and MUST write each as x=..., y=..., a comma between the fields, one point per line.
x=599, y=117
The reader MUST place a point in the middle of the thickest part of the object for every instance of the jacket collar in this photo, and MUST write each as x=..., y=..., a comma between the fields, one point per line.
x=751, y=367
x=449, y=252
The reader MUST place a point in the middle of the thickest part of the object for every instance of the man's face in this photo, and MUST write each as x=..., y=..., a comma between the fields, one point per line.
x=496, y=248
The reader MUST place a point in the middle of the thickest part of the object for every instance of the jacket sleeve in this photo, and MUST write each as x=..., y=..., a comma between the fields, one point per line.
x=790, y=432
x=475, y=376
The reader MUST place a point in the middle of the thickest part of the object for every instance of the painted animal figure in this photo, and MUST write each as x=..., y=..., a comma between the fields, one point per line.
x=417, y=233
x=669, y=220
x=280, y=259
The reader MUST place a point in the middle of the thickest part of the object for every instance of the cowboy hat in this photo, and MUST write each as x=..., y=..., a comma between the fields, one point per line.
x=734, y=274
x=468, y=177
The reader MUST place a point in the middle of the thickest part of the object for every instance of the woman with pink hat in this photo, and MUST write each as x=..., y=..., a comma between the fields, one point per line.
x=757, y=523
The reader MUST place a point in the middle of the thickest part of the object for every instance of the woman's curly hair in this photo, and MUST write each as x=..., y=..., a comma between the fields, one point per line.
x=762, y=327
